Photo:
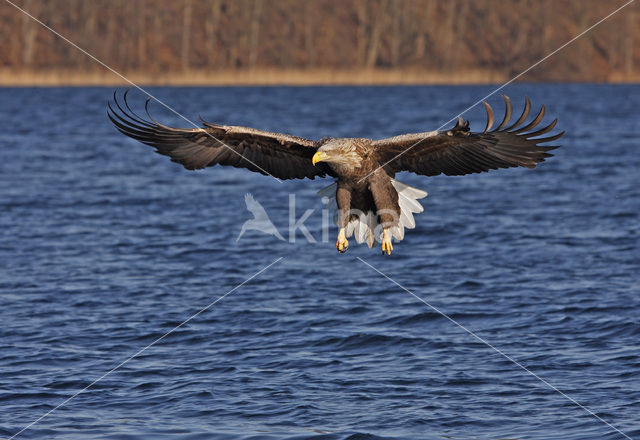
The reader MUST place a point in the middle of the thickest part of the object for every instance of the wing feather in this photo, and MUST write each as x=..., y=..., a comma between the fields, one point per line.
x=508, y=111
x=279, y=155
x=523, y=116
x=458, y=151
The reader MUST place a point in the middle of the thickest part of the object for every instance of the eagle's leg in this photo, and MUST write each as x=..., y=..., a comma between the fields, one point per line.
x=343, y=199
x=387, y=247
x=386, y=199
x=342, y=244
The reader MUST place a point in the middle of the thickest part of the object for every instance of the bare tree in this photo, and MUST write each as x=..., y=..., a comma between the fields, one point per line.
x=376, y=31
x=211, y=27
x=309, y=34
x=396, y=36
x=186, y=33
x=29, y=33
x=254, y=41
x=451, y=12
x=141, y=36
x=157, y=40
x=362, y=7
x=628, y=46
x=586, y=41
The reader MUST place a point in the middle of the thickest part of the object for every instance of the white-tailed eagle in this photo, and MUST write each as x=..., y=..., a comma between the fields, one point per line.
x=371, y=204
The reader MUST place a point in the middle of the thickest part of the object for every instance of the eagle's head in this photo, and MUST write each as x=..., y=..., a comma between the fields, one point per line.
x=340, y=154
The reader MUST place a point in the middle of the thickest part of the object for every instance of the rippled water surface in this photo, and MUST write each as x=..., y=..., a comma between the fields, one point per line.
x=106, y=247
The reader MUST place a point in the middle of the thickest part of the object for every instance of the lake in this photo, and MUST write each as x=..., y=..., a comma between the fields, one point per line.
x=107, y=247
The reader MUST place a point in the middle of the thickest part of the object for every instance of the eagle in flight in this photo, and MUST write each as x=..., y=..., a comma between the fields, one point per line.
x=371, y=205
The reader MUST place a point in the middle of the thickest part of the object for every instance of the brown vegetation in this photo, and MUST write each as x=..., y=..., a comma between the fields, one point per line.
x=321, y=41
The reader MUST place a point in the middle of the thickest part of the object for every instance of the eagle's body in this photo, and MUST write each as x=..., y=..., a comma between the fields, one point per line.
x=372, y=205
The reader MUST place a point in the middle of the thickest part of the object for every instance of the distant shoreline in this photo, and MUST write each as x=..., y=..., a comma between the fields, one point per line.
x=264, y=77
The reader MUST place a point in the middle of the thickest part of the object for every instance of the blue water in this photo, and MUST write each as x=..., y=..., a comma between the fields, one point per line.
x=106, y=246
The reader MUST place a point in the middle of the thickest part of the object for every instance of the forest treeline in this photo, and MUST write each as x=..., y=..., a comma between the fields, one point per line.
x=208, y=36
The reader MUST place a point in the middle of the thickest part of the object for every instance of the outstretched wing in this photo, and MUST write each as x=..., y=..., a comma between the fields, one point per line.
x=279, y=155
x=458, y=151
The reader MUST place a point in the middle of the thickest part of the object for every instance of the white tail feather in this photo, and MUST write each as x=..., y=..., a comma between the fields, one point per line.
x=366, y=227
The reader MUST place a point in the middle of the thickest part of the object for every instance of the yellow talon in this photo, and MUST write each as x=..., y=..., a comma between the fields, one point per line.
x=386, y=243
x=342, y=244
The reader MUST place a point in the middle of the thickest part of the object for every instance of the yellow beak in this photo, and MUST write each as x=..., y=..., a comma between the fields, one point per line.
x=319, y=157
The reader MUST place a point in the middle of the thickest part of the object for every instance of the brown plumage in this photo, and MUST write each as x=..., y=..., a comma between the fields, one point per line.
x=372, y=205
